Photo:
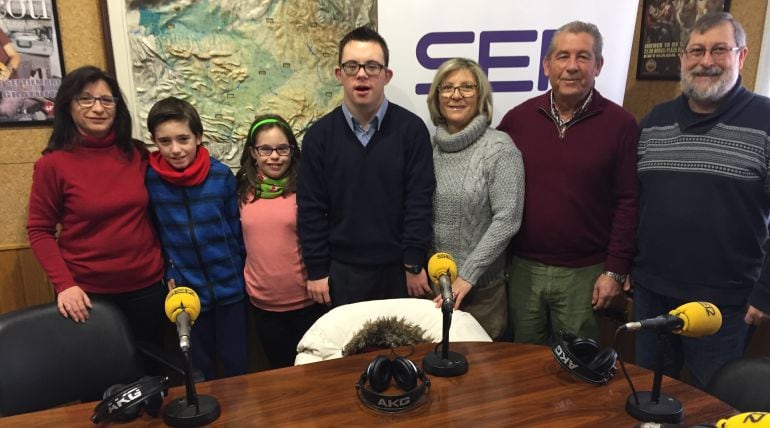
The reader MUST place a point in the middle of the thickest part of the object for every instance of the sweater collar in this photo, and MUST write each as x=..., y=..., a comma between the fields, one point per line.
x=458, y=141
x=91, y=141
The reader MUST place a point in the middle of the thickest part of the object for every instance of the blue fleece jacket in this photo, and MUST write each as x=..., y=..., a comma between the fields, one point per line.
x=200, y=229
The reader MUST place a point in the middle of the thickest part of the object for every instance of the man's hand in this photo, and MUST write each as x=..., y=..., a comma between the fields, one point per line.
x=74, y=303
x=460, y=289
x=605, y=289
x=318, y=290
x=755, y=316
x=417, y=284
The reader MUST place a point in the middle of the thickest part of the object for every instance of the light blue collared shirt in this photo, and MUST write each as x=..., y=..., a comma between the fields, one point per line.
x=374, y=125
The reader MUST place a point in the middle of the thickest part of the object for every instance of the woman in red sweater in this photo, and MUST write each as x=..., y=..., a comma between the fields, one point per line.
x=89, y=183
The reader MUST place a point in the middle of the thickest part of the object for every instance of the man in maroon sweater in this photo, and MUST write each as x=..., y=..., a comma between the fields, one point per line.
x=573, y=251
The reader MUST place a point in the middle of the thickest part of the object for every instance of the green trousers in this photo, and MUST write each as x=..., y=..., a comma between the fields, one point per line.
x=543, y=300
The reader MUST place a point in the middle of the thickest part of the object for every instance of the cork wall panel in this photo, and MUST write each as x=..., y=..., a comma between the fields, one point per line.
x=15, y=182
x=82, y=43
x=641, y=96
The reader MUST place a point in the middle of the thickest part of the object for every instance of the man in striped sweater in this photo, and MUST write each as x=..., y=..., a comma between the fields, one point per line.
x=705, y=203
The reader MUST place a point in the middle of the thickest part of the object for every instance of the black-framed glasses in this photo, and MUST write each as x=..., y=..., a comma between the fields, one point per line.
x=466, y=90
x=372, y=68
x=283, y=150
x=89, y=101
x=717, y=52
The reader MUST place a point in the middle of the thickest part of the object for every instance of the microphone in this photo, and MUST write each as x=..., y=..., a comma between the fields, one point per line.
x=694, y=319
x=748, y=419
x=183, y=307
x=442, y=270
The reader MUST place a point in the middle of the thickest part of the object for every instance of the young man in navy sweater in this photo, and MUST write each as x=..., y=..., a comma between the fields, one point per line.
x=365, y=187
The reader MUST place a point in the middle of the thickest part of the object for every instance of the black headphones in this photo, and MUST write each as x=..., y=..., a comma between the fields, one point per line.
x=124, y=402
x=407, y=376
x=583, y=359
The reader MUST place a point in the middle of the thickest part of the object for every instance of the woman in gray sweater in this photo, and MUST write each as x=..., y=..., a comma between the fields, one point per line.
x=479, y=196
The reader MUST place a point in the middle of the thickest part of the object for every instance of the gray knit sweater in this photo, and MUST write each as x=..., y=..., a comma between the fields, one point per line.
x=479, y=198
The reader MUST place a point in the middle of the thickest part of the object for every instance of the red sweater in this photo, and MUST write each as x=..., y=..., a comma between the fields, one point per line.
x=581, y=193
x=107, y=243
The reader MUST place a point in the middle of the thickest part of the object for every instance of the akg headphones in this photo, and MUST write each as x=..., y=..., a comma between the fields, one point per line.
x=378, y=374
x=583, y=359
x=124, y=402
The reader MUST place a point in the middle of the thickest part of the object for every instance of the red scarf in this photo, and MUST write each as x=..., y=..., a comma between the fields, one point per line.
x=193, y=175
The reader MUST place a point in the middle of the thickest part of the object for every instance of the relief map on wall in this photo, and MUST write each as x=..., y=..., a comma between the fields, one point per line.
x=235, y=59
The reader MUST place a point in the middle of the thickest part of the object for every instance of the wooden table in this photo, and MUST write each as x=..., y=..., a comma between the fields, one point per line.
x=506, y=384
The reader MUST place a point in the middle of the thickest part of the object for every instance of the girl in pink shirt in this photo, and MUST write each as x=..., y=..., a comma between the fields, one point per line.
x=274, y=273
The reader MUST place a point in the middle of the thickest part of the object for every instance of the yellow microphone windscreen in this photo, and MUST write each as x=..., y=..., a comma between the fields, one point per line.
x=182, y=299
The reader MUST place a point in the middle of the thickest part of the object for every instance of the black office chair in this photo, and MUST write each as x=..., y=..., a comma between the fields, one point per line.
x=743, y=384
x=47, y=360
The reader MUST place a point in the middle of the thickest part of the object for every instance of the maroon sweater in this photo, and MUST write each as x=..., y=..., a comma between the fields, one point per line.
x=581, y=194
x=107, y=243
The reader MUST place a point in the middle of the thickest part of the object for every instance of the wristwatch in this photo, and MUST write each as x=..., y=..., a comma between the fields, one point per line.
x=616, y=276
x=413, y=269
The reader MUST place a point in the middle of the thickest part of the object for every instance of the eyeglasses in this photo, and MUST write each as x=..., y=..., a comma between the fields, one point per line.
x=717, y=52
x=372, y=68
x=466, y=90
x=283, y=150
x=89, y=101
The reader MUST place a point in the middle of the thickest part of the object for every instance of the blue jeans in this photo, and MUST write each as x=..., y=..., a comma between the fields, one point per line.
x=703, y=356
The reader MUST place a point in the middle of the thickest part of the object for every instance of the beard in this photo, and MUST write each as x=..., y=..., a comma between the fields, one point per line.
x=712, y=93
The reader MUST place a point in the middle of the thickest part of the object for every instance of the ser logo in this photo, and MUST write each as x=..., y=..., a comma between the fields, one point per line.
x=394, y=403
x=564, y=358
x=485, y=58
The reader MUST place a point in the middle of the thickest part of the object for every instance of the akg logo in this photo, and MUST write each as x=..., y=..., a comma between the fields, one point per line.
x=394, y=402
x=564, y=358
x=486, y=60
x=127, y=397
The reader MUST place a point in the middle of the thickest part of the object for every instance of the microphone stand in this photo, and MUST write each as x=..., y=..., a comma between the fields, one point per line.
x=652, y=406
x=192, y=410
x=446, y=364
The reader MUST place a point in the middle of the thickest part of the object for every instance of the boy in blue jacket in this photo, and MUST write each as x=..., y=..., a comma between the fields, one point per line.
x=193, y=198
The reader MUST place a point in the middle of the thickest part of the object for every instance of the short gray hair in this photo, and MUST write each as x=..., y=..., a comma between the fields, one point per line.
x=579, y=27
x=711, y=20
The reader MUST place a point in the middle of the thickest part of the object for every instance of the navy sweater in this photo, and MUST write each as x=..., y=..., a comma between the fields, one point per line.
x=705, y=201
x=365, y=205
x=200, y=229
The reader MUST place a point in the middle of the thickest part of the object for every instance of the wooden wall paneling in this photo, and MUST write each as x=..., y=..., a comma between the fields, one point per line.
x=22, y=280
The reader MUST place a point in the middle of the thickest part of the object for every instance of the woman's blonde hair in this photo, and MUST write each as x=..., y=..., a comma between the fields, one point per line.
x=450, y=66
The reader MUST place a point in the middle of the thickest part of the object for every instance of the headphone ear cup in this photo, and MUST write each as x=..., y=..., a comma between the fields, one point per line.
x=584, y=350
x=405, y=373
x=154, y=402
x=604, y=361
x=379, y=373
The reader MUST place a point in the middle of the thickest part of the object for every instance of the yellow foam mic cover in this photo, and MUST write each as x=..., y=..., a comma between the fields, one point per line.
x=182, y=299
x=748, y=419
x=700, y=319
x=442, y=264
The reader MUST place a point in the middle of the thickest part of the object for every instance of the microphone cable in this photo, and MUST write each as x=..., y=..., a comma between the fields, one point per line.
x=623, y=367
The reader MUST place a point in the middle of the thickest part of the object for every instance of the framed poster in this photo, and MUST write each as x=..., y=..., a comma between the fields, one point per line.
x=31, y=64
x=665, y=25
